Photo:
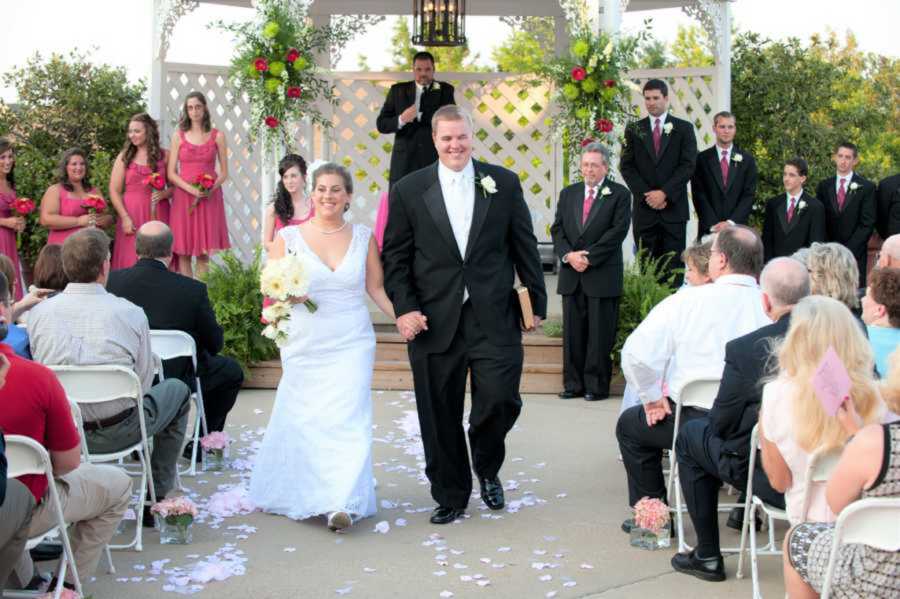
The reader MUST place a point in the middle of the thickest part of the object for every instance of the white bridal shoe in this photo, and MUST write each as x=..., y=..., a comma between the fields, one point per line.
x=339, y=521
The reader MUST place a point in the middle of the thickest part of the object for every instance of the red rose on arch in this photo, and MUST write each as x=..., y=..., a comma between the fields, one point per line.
x=271, y=122
x=578, y=73
x=610, y=83
x=292, y=55
x=586, y=141
x=293, y=92
x=604, y=125
x=261, y=65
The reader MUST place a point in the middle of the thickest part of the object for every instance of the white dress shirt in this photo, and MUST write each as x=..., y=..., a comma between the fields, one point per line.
x=419, y=91
x=684, y=336
x=458, y=189
x=787, y=201
x=837, y=182
x=722, y=150
x=662, y=121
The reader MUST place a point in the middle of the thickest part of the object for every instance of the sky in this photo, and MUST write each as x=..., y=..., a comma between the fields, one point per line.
x=118, y=32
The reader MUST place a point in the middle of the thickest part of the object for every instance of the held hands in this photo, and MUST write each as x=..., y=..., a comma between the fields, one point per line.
x=16, y=223
x=848, y=417
x=578, y=260
x=656, y=411
x=411, y=324
x=409, y=114
x=656, y=199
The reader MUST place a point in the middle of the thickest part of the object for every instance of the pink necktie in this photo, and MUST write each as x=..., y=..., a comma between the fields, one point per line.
x=724, y=164
x=657, y=137
x=841, y=195
x=791, y=206
x=587, y=205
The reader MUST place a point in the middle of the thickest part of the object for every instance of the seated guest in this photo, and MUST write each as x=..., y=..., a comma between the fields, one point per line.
x=793, y=424
x=94, y=498
x=794, y=219
x=84, y=325
x=16, y=336
x=868, y=468
x=717, y=449
x=683, y=338
x=889, y=256
x=173, y=301
x=881, y=313
x=833, y=272
x=48, y=269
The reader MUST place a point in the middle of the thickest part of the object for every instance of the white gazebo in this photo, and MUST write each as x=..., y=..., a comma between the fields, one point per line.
x=512, y=117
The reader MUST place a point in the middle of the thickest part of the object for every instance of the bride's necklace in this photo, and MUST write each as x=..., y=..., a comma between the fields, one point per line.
x=328, y=232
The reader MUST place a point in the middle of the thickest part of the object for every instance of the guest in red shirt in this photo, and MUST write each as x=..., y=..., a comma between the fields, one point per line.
x=94, y=498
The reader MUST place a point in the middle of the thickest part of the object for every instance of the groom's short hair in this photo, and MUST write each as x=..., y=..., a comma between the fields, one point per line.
x=451, y=112
x=83, y=255
x=657, y=84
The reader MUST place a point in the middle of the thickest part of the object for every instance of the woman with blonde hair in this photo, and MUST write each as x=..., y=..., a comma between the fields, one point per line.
x=833, y=272
x=869, y=467
x=793, y=423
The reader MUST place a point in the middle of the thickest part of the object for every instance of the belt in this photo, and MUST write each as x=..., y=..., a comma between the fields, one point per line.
x=106, y=422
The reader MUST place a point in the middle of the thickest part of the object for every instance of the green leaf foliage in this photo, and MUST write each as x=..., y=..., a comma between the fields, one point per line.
x=646, y=283
x=237, y=301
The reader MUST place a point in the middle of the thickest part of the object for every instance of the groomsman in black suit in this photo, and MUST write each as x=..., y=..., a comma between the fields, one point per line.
x=591, y=223
x=849, y=201
x=888, y=221
x=794, y=219
x=724, y=184
x=407, y=113
x=658, y=160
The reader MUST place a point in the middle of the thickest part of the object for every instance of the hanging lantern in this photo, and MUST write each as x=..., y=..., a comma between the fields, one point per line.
x=439, y=22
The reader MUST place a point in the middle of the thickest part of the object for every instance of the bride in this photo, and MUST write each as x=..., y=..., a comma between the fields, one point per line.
x=316, y=456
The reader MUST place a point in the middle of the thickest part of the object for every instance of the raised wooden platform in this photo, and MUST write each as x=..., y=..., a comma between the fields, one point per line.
x=541, y=372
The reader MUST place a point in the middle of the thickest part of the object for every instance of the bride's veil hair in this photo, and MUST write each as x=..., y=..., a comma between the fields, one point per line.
x=284, y=207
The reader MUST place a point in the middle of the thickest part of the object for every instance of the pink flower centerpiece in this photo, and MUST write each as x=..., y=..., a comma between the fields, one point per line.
x=215, y=446
x=175, y=516
x=651, y=524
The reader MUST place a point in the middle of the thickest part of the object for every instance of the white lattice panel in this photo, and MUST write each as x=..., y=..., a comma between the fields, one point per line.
x=229, y=115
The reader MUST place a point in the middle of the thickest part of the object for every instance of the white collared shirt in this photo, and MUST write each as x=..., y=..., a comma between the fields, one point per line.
x=662, y=121
x=837, y=181
x=419, y=91
x=722, y=150
x=596, y=188
x=684, y=336
x=458, y=189
x=787, y=202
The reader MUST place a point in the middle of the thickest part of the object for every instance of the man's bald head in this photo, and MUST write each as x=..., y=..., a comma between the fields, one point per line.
x=890, y=252
x=784, y=281
x=154, y=240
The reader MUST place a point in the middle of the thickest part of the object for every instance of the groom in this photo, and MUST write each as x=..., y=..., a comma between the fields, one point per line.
x=457, y=233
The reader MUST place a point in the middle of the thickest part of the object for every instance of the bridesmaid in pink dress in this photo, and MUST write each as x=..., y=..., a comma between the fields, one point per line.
x=140, y=202
x=193, y=152
x=10, y=224
x=61, y=207
x=290, y=205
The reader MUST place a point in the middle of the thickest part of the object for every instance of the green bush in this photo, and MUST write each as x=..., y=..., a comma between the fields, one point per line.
x=646, y=283
x=237, y=301
x=552, y=328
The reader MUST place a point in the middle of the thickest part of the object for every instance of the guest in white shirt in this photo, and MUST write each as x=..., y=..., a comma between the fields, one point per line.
x=683, y=338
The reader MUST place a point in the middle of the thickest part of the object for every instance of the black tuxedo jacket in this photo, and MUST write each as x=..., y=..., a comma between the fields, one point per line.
x=736, y=408
x=171, y=301
x=602, y=236
x=413, y=146
x=644, y=171
x=888, y=221
x=781, y=238
x=715, y=201
x=423, y=268
x=852, y=226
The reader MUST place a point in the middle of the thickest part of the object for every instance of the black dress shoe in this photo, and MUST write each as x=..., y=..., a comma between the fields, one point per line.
x=594, y=397
x=569, y=394
x=711, y=569
x=45, y=552
x=492, y=493
x=446, y=515
x=736, y=519
x=149, y=519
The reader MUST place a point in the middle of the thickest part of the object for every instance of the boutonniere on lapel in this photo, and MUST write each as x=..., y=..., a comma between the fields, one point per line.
x=737, y=158
x=435, y=86
x=486, y=183
x=854, y=186
x=606, y=191
x=801, y=206
x=667, y=128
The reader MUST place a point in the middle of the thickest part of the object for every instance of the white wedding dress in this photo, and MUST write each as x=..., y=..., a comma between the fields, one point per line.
x=316, y=456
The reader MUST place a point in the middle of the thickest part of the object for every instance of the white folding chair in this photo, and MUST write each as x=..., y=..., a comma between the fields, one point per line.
x=169, y=344
x=86, y=385
x=874, y=521
x=699, y=393
x=26, y=456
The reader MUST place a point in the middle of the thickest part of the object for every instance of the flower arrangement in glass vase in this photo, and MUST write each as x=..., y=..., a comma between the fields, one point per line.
x=174, y=516
x=652, y=524
x=215, y=447
x=284, y=280
x=589, y=84
x=274, y=65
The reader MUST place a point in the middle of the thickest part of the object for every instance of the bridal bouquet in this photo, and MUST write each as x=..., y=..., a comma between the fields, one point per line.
x=282, y=280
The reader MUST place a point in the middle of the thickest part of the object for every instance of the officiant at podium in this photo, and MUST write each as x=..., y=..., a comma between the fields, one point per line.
x=407, y=113
x=591, y=223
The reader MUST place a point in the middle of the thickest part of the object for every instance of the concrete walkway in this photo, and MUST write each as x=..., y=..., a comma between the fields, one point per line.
x=560, y=537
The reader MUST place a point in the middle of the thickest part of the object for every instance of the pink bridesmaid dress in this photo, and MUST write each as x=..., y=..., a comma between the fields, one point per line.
x=204, y=230
x=8, y=243
x=69, y=205
x=137, y=203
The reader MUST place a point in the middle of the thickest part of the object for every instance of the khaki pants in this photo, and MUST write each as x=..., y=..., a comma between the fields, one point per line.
x=94, y=499
x=15, y=519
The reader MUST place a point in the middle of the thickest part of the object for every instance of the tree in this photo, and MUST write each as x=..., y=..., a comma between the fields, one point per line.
x=691, y=48
x=64, y=102
x=454, y=59
x=530, y=46
x=653, y=55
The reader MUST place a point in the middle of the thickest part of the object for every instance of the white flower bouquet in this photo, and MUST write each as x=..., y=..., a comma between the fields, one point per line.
x=282, y=280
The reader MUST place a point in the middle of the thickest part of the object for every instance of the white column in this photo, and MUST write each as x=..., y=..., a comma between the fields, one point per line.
x=723, y=56
x=611, y=16
x=157, y=57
